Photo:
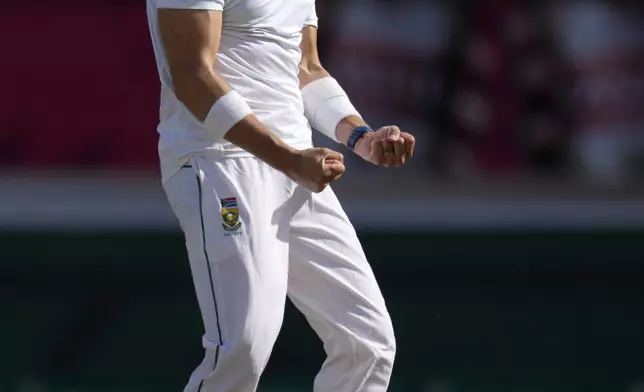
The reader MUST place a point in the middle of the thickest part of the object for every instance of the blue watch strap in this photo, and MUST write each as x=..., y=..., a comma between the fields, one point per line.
x=356, y=135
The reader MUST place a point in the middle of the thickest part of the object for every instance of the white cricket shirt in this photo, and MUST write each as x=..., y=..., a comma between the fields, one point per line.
x=258, y=56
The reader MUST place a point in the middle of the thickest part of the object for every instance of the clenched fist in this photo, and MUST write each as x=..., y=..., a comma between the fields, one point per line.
x=386, y=146
x=315, y=168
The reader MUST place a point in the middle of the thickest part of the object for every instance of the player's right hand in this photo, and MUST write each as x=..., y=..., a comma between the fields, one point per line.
x=316, y=168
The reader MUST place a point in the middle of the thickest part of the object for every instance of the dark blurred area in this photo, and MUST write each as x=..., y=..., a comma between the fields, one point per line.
x=506, y=106
x=509, y=251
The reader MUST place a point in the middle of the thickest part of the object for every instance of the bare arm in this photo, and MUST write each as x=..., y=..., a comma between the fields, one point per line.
x=387, y=146
x=191, y=40
x=311, y=69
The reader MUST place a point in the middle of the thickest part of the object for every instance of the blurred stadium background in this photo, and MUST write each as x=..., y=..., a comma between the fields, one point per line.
x=511, y=251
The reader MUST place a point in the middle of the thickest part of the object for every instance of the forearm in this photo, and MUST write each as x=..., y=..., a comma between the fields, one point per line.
x=253, y=137
x=310, y=74
x=199, y=89
x=326, y=105
x=347, y=126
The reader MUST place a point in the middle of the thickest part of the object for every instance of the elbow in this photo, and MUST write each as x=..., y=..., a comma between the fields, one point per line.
x=192, y=65
x=196, y=86
x=185, y=74
x=309, y=72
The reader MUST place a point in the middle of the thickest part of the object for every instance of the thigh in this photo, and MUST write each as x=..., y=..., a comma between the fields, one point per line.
x=239, y=265
x=330, y=280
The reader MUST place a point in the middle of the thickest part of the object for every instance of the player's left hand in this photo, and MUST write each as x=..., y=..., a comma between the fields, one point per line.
x=386, y=147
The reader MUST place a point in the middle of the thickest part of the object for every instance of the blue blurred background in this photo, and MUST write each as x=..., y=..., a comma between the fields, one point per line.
x=511, y=251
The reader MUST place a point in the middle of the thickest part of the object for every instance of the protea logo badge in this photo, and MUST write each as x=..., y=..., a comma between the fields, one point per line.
x=230, y=214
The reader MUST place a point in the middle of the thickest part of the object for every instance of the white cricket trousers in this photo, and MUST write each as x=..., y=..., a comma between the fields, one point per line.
x=286, y=242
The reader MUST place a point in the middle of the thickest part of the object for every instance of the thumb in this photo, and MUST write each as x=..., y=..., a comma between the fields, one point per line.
x=333, y=170
x=393, y=133
x=332, y=155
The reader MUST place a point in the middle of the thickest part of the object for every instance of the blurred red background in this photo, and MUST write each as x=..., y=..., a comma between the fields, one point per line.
x=79, y=86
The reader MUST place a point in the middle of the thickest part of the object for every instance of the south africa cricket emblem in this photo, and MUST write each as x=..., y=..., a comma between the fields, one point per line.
x=230, y=214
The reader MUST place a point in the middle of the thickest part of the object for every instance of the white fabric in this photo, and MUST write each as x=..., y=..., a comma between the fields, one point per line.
x=326, y=104
x=225, y=113
x=290, y=242
x=258, y=56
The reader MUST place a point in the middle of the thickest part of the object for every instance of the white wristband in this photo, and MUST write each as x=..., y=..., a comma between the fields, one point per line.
x=326, y=104
x=225, y=113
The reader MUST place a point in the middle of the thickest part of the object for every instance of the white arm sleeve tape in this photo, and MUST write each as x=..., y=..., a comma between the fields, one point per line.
x=225, y=113
x=325, y=105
